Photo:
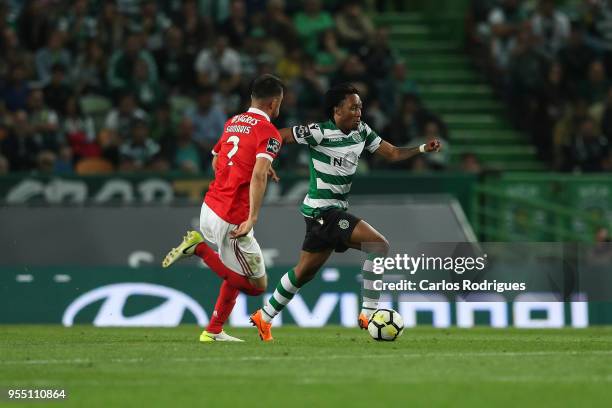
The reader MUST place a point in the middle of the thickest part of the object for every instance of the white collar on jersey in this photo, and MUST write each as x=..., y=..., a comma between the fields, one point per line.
x=259, y=112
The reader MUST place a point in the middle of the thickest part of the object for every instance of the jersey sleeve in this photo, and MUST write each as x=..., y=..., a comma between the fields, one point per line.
x=307, y=134
x=373, y=141
x=269, y=142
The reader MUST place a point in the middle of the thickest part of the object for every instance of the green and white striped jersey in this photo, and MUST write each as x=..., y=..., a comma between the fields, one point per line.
x=334, y=157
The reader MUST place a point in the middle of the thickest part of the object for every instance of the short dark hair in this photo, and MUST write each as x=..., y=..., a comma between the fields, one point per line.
x=267, y=86
x=335, y=95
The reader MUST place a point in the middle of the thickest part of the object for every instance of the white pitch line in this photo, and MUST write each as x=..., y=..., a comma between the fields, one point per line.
x=306, y=358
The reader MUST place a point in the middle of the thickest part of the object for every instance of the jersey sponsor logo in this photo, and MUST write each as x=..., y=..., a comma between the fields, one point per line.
x=349, y=160
x=273, y=146
x=245, y=119
x=302, y=131
x=343, y=224
x=357, y=137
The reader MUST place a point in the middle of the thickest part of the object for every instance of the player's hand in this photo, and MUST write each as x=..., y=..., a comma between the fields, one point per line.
x=242, y=229
x=272, y=174
x=433, y=146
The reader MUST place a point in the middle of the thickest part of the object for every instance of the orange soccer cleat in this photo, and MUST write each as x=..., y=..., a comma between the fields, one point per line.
x=363, y=321
x=264, y=328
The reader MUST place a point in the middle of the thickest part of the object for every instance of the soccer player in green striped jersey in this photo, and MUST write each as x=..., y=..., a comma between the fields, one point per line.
x=335, y=147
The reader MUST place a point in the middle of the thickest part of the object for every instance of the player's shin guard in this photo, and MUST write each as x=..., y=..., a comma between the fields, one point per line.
x=240, y=282
x=284, y=292
x=369, y=295
x=223, y=308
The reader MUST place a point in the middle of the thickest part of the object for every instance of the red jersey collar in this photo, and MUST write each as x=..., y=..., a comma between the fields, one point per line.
x=259, y=112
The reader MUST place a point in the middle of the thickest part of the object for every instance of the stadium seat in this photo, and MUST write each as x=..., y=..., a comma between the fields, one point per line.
x=94, y=165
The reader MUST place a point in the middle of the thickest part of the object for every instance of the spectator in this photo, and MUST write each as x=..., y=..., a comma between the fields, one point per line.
x=505, y=22
x=175, y=65
x=78, y=26
x=354, y=71
x=79, y=130
x=595, y=87
x=145, y=86
x=311, y=23
x=330, y=55
x=606, y=117
x=20, y=146
x=122, y=62
x=208, y=120
x=551, y=27
x=120, y=120
x=355, y=29
x=564, y=131
x=590, y=148
x=54, y=53
x=237, y=26
x=110, y=27
x=15, y=92
x=219, y=60
x=57, y=92
x=470, y=163
x=290, y=66
x=395, y=86
x=379, y=58
x=4, y=166
x=138, y=151
x=44, y=121
x=90, y=69
x=162, y=128
x=278, y=25
x=152, y=23
x=576, y=56
x=185, y=154
x=63, y=161
x=34, y=25
x=548, y=109
x=197, y=31
x=525, y=75
x=45, y=162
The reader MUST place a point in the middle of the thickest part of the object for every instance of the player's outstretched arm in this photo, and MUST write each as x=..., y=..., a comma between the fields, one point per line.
x=259, y=181
x=393, y=153
x=287, y=135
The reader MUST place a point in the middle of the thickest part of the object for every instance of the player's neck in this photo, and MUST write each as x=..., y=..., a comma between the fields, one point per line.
x=262, y=109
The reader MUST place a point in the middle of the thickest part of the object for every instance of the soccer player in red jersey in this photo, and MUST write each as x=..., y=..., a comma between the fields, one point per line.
x=242, y=163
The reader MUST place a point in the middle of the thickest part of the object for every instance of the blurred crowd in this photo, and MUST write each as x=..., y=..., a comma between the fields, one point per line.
x=97, y=86
x=552, y=62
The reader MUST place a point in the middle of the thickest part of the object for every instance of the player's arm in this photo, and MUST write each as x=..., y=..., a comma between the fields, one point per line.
x=259, y=181
x=393, y=153
x=287, y=135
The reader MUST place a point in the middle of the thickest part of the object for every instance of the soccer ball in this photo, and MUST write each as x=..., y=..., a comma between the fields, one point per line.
x=386, y=325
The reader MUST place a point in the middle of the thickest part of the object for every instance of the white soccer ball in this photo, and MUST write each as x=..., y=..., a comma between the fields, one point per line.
x=386, y=325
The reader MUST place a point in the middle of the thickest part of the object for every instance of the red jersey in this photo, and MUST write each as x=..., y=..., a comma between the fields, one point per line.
x=245, y=137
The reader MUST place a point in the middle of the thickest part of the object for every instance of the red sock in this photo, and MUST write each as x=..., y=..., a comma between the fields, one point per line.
x=240, y=282
x=223, y=308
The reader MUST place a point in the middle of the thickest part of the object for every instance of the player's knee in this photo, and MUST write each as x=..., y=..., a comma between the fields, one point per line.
x=380, y=246
x=260, y=283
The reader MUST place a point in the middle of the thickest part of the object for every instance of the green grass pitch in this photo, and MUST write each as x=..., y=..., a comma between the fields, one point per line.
x=332, y=366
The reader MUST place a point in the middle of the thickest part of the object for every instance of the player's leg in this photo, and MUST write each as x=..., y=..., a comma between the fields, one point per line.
x=242, y=265
x=366, y=238
x=223, y=308
x=291, y=282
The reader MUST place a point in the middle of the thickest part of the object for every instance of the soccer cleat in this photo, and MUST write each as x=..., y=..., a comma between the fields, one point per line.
x=264, y=328
x=186, y=248
x=363, y=321
x=207, y=337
